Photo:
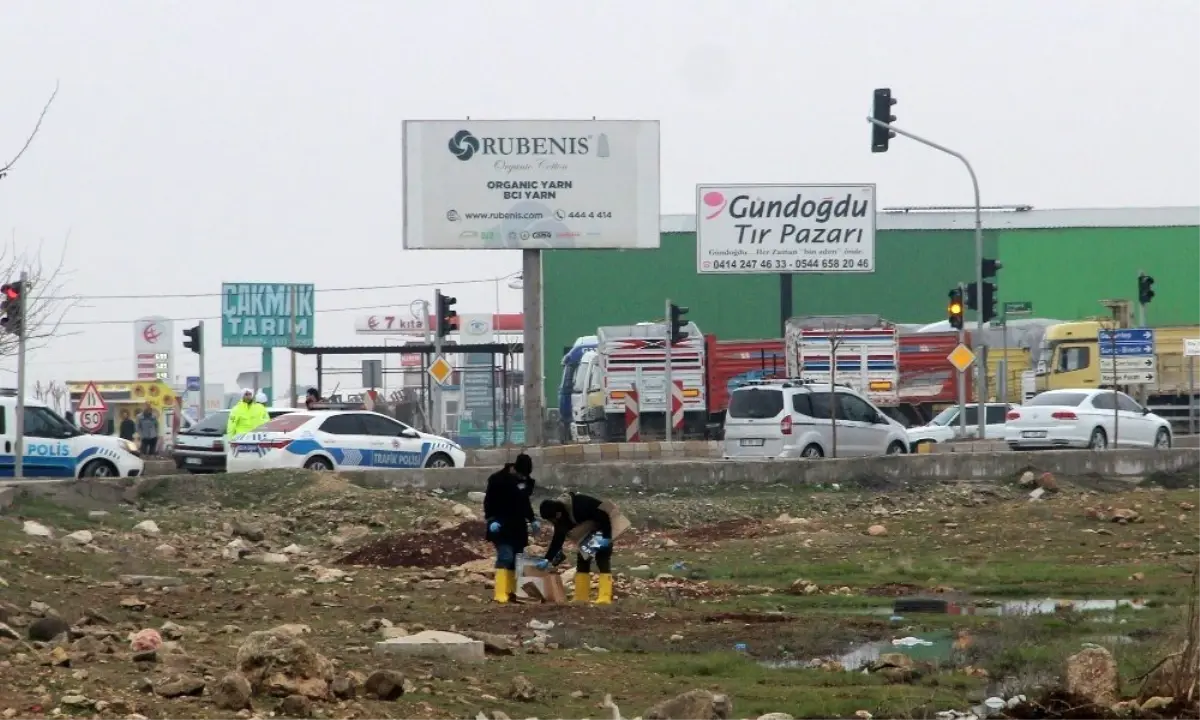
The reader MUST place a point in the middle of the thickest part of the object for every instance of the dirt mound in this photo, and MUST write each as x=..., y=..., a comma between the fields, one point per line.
x=440, y=548
x=893, y=589
x=736, y=529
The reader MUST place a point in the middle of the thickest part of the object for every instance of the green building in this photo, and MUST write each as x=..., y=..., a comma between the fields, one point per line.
x=1063, y=261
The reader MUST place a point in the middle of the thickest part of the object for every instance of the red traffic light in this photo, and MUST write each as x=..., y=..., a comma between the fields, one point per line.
x=11, y=292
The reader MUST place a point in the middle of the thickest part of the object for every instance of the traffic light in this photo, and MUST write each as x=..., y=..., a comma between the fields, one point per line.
x=195, y=340
x=990, y=267
x=1145, y=288
x=447, y=318
x=989, y=301
x=12, y=308
x=882, y=112
x=954, y=311
x=678, y=323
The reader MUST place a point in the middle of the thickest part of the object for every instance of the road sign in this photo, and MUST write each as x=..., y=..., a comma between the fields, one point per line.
x=1191, y=347
x=1018, y=308
x=92, y=408
x=961, y=357
x=1127, y=357
x=440, y=370
x=262, y=314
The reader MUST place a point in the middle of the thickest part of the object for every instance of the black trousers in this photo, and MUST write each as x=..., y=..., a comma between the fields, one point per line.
x=603, y=562
x=149, y=445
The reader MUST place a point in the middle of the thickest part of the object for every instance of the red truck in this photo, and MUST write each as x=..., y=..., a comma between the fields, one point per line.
x=927, y=379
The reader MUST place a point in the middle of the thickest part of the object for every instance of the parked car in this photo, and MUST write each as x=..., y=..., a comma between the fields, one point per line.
x=1085, y=418
x=792, y=418
x=945, y=426
x=201, y=448
x=341, y=439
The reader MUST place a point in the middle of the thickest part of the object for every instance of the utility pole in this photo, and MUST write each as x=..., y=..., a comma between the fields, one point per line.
x=669, y=388
x=885, y=122
x=424, y=304
x=19, y=424
x=203, y=378
x=534, y=390
x=293, y=393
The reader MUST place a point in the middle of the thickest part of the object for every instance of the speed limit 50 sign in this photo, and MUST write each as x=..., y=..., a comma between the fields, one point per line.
x=92, y=408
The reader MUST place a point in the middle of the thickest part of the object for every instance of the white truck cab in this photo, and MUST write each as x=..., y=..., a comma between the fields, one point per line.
x=56, y=449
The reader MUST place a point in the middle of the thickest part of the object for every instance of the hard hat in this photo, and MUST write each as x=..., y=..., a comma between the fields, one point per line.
x=261, y=397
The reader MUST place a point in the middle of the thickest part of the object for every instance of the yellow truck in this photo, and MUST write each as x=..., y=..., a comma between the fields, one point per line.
x=1070, y=358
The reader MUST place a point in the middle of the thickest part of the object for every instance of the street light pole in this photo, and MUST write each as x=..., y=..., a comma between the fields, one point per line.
x=977, y=343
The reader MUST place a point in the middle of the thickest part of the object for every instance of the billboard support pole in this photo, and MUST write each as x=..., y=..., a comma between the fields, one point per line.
x=785, y=302
x=293, y=393
x=203, y=384
x=531, y=274
x=267, y=377
x=977, y=342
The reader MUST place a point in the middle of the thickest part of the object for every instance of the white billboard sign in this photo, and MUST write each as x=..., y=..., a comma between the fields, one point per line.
x=531, y=184
x=399, y=322
x=785, y=228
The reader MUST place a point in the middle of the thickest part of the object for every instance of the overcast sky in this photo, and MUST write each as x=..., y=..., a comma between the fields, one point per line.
x=198, y=142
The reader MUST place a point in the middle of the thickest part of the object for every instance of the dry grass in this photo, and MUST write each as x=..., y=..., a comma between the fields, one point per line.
x=1178, y=675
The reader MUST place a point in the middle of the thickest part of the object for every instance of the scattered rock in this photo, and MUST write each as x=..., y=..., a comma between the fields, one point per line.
x=269, y=558
x=133, y=603
x=146, y=640
x=877, y=531
x=47, y=628
x=1047, y=483
x=521, y=689
x=385, y=684
x=36, y=529
x=80, y=537
x=494, y=644
x=1092, y=676
x=345, y=687
x=693, y=705
x=296, y=706
x=775, y=716
x=1125, y=515
x=279, y=664
x=1027, y=479
x=179, y=686
x=7, y=633
x=326, y=575
x=232, y=692
x=475, y=496
x=253, y=533
x=148, y=528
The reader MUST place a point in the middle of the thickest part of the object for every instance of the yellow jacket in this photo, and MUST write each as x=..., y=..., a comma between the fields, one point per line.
x=245, y=417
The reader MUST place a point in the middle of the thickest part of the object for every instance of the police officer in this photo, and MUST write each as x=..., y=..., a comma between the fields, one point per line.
x=507, y=512
x=590, y=522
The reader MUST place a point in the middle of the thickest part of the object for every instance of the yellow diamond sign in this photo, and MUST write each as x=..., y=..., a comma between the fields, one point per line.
x=960, y=357
x=440, y=370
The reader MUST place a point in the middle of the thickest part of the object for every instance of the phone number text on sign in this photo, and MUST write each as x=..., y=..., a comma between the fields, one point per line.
x=785, y=228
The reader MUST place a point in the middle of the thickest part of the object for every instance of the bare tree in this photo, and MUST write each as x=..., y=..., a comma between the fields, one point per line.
x=47, y=300
x=835, y=342
x=32, y=134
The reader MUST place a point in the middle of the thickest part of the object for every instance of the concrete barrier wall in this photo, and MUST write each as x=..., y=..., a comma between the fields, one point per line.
x=578, y=454
x=667, y=474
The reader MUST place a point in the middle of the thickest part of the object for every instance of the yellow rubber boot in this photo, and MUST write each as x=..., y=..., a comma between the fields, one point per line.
x=605, y=589
x=583, y=587
x=500, y=594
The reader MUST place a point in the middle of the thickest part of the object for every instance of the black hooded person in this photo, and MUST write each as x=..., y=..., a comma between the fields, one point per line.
x=587, y=521
x=508, y=513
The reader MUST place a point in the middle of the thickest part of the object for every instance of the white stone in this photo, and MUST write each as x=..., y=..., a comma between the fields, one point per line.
x=36, y=529
x=433, y=644
x=147, y=527
x=80, y=537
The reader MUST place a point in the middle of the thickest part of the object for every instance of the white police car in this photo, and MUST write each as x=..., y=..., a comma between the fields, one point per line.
x=56, y=449
x=340, y=440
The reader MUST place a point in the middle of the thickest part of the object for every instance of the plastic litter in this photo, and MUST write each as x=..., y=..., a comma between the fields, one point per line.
x=910, y=642
x=540, y=625
x=740, y=647
x=995, y=703
x=896, y=618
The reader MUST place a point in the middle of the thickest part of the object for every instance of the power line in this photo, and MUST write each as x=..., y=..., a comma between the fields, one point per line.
x=218, y=317
x=359, y=288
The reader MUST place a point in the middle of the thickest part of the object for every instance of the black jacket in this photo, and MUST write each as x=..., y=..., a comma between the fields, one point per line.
x=581, y=509
x=507, y=503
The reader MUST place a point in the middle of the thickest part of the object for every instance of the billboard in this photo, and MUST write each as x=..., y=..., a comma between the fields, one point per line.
x=397, y=322
x=153, y=348
x=532, y=184
x=785, y=228
x=261, y=314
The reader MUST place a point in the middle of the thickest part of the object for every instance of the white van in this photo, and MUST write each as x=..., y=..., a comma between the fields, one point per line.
x=56, y=449
x=791, y=418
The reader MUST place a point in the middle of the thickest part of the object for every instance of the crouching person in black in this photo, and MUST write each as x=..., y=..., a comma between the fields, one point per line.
x=589, y=522
x=507, y=511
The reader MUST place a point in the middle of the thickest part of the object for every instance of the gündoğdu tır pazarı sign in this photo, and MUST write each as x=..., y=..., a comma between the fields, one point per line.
x=494, y=184
x=785, y=228
x=261, y=315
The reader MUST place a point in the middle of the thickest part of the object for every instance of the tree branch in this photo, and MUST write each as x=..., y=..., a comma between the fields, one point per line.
x=29, y=140
x=47, y=299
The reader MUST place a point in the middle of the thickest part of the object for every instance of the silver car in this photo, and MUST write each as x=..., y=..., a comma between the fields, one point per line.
x=792, y=418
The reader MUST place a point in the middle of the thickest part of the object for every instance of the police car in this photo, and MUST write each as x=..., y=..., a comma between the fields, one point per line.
x=340, y=440
x=54, y=448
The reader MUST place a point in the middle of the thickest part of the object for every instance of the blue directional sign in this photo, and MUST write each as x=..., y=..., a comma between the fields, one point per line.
x=1130, y=342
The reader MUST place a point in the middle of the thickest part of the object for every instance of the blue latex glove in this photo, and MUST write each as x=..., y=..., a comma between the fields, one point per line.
x=537, y=527
x=494, y=527
x=542, y=564
x=600, y=542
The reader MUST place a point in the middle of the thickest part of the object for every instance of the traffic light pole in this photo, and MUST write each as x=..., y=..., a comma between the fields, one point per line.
x=19, y=421
x=977, y=343
x=962, y=381
x=203, y=378
x=435, y=419
x=669, y=387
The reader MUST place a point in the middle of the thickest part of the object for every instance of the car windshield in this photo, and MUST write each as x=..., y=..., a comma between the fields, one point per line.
x=756, y=403
x=285, y=423
x=213, y=423
x=944, y=417
x=1061, y=399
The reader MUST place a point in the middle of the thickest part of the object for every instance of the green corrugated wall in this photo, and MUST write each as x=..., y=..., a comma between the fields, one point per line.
x=585, y=289
x=1065, y=272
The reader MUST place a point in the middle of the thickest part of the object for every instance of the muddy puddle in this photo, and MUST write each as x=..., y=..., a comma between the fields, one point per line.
x=1008, y=608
